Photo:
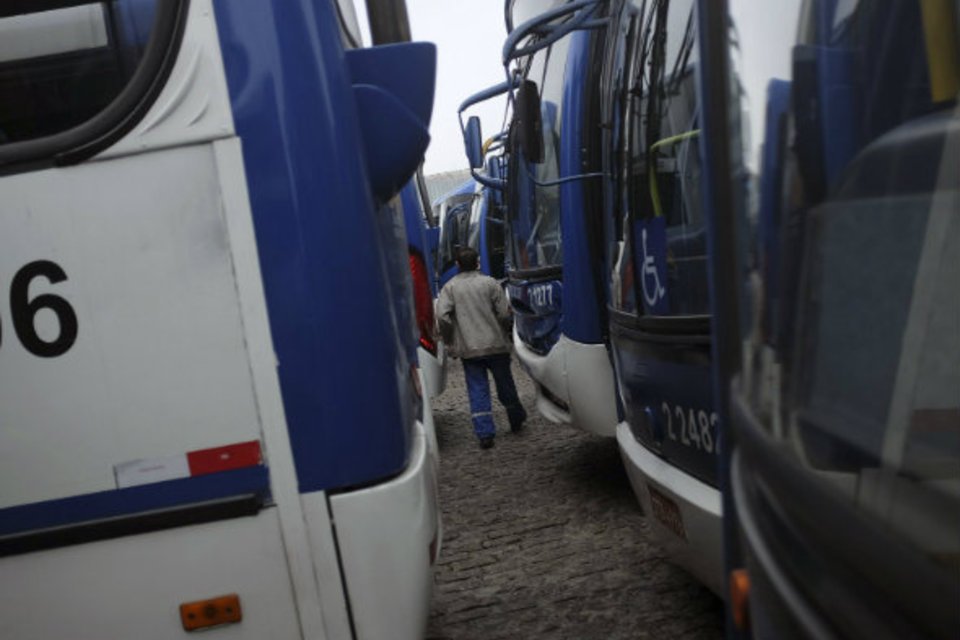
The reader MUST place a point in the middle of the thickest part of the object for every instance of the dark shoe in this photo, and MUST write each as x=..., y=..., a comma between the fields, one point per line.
x=486, y=443
x=517, y=419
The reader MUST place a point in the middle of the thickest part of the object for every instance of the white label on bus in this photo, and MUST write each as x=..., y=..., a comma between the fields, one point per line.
x=691, y=427
x=542, y=295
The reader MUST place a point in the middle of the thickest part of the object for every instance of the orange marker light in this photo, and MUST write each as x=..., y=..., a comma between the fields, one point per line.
x=208, y=613
x=740, y=598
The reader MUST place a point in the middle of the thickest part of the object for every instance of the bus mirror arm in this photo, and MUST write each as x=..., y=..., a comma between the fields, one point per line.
x=493, y=183
x=472, y=137
x=544, y=34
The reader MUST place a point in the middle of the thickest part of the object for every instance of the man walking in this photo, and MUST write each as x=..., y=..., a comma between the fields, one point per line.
x=474, y=321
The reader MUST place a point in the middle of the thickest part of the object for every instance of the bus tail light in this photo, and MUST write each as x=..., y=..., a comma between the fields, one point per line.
x=740, y=598
x=423, y=302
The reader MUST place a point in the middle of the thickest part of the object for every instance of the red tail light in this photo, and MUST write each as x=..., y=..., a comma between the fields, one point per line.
x=423, y=302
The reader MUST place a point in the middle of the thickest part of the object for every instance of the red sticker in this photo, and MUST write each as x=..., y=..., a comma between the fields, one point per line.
x=232, y=456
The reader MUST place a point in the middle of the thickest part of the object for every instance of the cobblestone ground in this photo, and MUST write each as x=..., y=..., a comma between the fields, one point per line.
x=543, y=538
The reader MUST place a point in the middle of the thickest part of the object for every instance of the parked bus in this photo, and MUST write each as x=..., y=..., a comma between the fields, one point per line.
x=486, y=228
x=658, y=279
x=453, y=212
x=422, y=234
x=553, y=237
x=208, y=401
x=844, y=331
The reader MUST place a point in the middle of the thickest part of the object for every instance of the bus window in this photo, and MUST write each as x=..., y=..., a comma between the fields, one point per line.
x=349, y=27
x=664, y=242
x=535, y=228
x=61, y=67
x=455, y=230
x=520, y=11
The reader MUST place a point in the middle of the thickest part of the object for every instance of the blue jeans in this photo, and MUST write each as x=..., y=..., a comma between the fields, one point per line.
x=478, y=388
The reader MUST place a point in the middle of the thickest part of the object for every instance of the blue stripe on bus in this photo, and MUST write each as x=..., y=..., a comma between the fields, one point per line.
x=133, y=501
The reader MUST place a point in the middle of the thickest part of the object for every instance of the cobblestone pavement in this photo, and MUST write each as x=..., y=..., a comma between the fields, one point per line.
x=543, y=538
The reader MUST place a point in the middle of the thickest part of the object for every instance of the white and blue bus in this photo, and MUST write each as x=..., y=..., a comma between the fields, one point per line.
x=835, y=133
x=423, y=235
x=209, y=409
x=554, y=252
x=453, y=212
x=660, y=308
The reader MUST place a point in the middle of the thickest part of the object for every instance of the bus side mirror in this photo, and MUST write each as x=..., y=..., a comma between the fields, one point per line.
x=473, y=142
x=529, y=121
x=393, y=86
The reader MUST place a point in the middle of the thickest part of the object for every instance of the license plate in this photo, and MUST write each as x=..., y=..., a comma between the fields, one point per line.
x=667, y=512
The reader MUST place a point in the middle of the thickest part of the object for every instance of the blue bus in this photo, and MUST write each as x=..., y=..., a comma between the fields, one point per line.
x=422, y=235
x=657, y=279
x=210, y=405
x=453, y=211
x=835, y=156
x=553, y=232
x=472, y=216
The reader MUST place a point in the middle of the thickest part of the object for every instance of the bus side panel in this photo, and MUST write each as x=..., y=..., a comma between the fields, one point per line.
x=132, y=587
x=321, y=257
x=158, y=367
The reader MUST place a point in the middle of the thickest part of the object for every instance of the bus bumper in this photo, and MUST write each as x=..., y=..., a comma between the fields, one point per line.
x=389, y=537
x=700, y=550
x=434, y=369
x=573, y=365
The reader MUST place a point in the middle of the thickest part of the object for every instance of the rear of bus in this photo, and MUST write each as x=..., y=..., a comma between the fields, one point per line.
x=200, y=424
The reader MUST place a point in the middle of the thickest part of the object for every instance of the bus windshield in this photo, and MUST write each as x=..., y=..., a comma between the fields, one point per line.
x=661, y=233
x=535, y=239
x=849, y=147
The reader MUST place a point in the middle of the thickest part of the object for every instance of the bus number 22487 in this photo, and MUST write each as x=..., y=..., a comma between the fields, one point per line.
x=692, y=428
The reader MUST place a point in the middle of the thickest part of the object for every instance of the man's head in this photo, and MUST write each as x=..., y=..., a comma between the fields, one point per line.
x=468, y=259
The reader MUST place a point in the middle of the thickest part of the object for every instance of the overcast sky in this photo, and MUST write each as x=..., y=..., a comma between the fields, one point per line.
x=469, y=35
x=765, y=30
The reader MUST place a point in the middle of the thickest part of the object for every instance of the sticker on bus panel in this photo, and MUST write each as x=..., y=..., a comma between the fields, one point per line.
x=193, y=463
x=539, y=298
x=650, y=240
x=667, y=512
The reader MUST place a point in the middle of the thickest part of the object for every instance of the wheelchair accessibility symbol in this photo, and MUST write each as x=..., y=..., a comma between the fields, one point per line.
x=653, y=290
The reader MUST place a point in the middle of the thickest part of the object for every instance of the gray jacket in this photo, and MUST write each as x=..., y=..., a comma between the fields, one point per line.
x=473, y=316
